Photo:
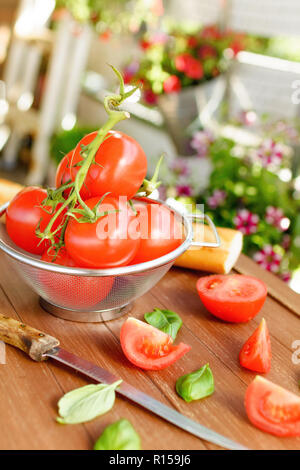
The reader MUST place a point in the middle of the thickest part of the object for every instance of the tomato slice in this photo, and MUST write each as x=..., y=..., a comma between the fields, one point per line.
x=256, y=352
x=273, y=408
x=147, y=347
x=234, y=298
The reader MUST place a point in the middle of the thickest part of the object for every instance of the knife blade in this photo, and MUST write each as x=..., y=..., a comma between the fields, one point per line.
x=146, y=401
x=41, y=346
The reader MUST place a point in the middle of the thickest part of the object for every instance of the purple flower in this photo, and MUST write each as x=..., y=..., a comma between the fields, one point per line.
x=269, y=153
x=183, y=190
x=268, y=259
x=180, y=167
x=216, y=199
x=246, y=222
x=201, y=141
x=275, y=216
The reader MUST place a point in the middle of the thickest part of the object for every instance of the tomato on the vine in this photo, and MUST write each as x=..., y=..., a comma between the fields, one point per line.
x=70, y=290
x=120, y=166
x=62, y=257
x=106, y=243
x=25, y=214
x=147, y=347
x=160, y=231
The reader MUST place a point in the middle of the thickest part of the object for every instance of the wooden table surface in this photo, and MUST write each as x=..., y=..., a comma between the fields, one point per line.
x=29, y=391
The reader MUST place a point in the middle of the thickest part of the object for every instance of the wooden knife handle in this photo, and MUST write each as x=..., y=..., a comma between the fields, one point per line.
x=33, y=342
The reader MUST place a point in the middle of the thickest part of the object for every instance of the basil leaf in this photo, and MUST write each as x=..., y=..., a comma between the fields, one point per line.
x=120, y=435
x=86, y=403
x=165, y=320
x=196, y=385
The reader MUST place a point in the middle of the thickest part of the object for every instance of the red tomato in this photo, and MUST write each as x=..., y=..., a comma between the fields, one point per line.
x=73, y=291
x=23, y=216
x=106, y=243
x=273, y=408
x=234, y=298
x=62, y=257
x=63, y=174
x=120, y=169
x=256, y=352
x=147, y=347
x=160, y=232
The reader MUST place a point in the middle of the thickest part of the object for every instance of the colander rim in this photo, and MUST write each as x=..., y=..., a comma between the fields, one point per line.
x=27, y=259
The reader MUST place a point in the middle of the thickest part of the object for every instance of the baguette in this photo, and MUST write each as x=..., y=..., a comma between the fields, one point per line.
x=215, y=260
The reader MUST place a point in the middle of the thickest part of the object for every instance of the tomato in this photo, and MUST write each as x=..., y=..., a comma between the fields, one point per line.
x=72, y=291
x=120, y=168
x=63, y=173
x=147, y=347
x=160, y=232
x=62, y=257
x=234, y=298
x=23, y=216
x=256, y=352
x=106, y=243
x=273, y=408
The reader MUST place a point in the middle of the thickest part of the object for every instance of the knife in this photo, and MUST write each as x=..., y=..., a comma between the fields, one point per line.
x=40, y=346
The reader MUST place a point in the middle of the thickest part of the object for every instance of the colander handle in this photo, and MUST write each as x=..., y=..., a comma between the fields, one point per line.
x=206, y=218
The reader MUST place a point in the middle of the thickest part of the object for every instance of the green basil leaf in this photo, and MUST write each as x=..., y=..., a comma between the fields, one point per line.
x=120, y=435
x=86, y=403
x=165, y=320
x=196, y=385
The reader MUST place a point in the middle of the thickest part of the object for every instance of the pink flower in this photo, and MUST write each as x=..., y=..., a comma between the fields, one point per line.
x=286, y=276
x=216, y=199
x=269, y=153
x=180, y=167
x=268, y=259
x=183, y=190
x=246, y=222
x=201, y=141
x=275, y=216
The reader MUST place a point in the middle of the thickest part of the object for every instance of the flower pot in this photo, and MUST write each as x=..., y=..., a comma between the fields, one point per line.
x=179, y=110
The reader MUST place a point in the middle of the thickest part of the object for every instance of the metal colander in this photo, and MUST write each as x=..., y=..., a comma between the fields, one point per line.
x=95, y=295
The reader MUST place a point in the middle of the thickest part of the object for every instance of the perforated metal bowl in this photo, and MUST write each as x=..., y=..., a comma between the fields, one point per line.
x=94, y=295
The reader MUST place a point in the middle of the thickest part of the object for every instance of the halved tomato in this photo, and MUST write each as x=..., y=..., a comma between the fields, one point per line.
x=256, y=352
x=273, y=408
x=235, y=298
x=147, y=347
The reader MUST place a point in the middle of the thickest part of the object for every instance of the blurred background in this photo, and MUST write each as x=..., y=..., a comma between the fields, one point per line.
x=220, y=97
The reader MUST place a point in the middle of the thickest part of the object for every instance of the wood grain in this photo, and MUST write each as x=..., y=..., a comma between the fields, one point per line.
x=29, y=391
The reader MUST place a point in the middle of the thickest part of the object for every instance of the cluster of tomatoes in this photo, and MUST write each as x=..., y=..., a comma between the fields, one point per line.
x=134, y=227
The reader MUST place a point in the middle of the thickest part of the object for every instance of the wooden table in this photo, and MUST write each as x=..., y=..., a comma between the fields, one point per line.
x=29, y=391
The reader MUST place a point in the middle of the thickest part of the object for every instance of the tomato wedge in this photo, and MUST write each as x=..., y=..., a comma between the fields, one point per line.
x=273, y=408
x=234, y=298
x=256, y=352
x=147, y=347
